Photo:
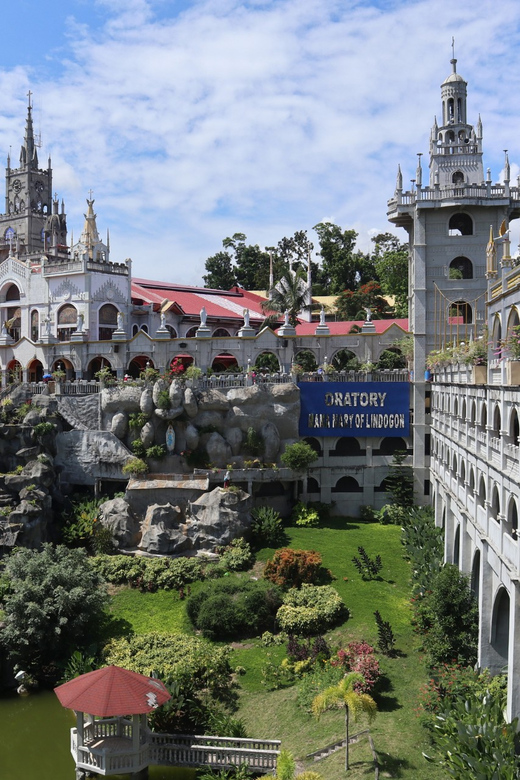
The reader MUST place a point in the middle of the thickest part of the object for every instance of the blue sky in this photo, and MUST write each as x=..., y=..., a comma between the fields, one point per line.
x=194, y=120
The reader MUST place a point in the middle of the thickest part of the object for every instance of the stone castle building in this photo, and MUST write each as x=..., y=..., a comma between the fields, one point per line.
x=466, y=423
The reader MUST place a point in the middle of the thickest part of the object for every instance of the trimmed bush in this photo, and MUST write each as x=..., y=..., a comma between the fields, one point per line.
x=227, y=608
x=304, y=516
x=237, y=556
x=310, y=610
x=148, y=574
x=290, y=568
x=298, y=456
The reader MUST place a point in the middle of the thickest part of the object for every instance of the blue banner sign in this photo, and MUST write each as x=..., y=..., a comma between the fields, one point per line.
x=354, y=408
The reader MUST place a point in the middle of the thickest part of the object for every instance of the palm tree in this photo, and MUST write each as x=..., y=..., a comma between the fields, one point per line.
x=345, y=695
x=289, y=294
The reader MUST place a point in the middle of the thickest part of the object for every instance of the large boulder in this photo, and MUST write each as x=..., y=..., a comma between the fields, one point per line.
x=219, y=451
x=234, y=438
x=119, y=426
x=192, y=437
x=146, y=402
x=121, y=399
x=214, y=401
x=271, y=439
x=190, y=403
x=218, y=517
x=176, y=393
x=162, y=531
x=147, y=434
x=117, y=516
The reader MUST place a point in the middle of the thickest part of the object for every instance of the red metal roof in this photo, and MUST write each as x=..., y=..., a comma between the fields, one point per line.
x=112, y=691
x=343, y=328
x=219, y=304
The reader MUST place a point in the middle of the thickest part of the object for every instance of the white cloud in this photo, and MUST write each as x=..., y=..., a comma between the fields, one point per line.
x=192, y=124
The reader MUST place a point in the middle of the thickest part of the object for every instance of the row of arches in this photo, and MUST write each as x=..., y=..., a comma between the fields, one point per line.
x=483, y=417
x=485, y=496
x=350, y=447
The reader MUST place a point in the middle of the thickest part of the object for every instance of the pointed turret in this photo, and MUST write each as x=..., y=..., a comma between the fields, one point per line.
x=28, y=153
x=418, y=172
x=90, y=235
x=399, y=180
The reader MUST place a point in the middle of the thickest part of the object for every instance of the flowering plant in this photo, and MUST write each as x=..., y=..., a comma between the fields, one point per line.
x=511, y=344
x=359, y=657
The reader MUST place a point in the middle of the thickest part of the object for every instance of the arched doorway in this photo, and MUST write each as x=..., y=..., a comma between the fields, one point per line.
x=346, y=360
x=225, y=362
x=138, y=364
x=267, y=363
x=35, y=371
x=96, y=364
x=475, y=576
x=500, y=625
x=181, y=359
x=14, y=371
x=62, y=364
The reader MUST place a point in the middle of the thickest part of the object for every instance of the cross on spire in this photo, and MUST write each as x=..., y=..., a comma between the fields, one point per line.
x=29, y=97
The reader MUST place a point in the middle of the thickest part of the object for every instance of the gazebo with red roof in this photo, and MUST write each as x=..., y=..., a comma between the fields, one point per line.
x=111, y=730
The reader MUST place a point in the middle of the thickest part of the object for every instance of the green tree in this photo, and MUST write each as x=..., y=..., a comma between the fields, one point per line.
x=342, y=267
x=449, y=618
x=344, y=694
x=221, y=274
x=352, y=304
x=251, y=262
x=391, y=262
x=55, y=605
x=298, y=456
x=399, y=482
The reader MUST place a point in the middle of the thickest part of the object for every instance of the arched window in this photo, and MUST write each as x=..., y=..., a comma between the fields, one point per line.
x=462, y=474
x=13, y=293
x=345, y=360
x=461, y=313
x=463, y=410
x=392, y=444
x=514, y=427
x=497, y=421
x=473, y=412
x=497, y=332
x=483, y=416
x=220, y=333
x=456, y=546
x=495, y=504
x=347, y=485
x=190, y=334
x=313, y=485
x=314, y=443
x=67, y=321
x=472, y=480
x=481, y=498
x=513, y=319
x=347, y=447
x=457, y=178
x=475, y=575
x=35, y=326
x=135, y=329
x=107, y=321
x=454, y=465
x=306, y=360
x=267, y=363
x=172, y=331
x=461, y=268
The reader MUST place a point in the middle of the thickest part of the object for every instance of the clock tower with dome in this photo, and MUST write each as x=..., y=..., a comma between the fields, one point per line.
x=32, y=224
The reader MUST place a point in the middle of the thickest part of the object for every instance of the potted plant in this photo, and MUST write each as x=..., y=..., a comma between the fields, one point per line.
x=511, y=347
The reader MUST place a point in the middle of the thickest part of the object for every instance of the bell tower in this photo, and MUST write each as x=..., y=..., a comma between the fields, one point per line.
x=448, y=224
x=28, y=200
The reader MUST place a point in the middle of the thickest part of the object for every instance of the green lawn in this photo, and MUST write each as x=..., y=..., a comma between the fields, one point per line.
x=397, y=733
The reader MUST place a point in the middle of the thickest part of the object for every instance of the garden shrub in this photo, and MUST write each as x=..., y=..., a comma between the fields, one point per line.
x=298, y=456
x=138, y=448
x=231, y=607
x=253, y=443
x=449, y=682
x=359, y=657
x=148, y=574
x=135, y=467
x=81, y=527
x=156, y=452
x=290, y=568
x=385, y=635
x=42, y=429
x=310, y=609
x=267, y=527
x=392, y=514
x=368, y=567
x=198, y=674
x=237, y=556
x=304, y=516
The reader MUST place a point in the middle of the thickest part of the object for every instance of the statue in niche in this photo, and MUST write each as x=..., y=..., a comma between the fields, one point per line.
x=120, y=320
x=79, y=325
x=163, y=321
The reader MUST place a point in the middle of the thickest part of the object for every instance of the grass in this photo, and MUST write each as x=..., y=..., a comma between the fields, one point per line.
x=398, y=736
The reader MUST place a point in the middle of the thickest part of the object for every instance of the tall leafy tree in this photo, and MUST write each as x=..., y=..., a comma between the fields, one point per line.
x=221, y=274
x=352, y=304
x=55, y=605
x=345, y=694
x=343, y=268
x=390, y=258
x=251, y=262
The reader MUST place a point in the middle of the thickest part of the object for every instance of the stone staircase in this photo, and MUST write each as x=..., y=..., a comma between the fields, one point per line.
x=328, y=750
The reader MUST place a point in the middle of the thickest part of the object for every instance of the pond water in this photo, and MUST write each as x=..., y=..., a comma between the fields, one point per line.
x=35, y=741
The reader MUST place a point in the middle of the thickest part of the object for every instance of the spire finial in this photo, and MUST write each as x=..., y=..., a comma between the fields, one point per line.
x=453, y=60
x=29, y=100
